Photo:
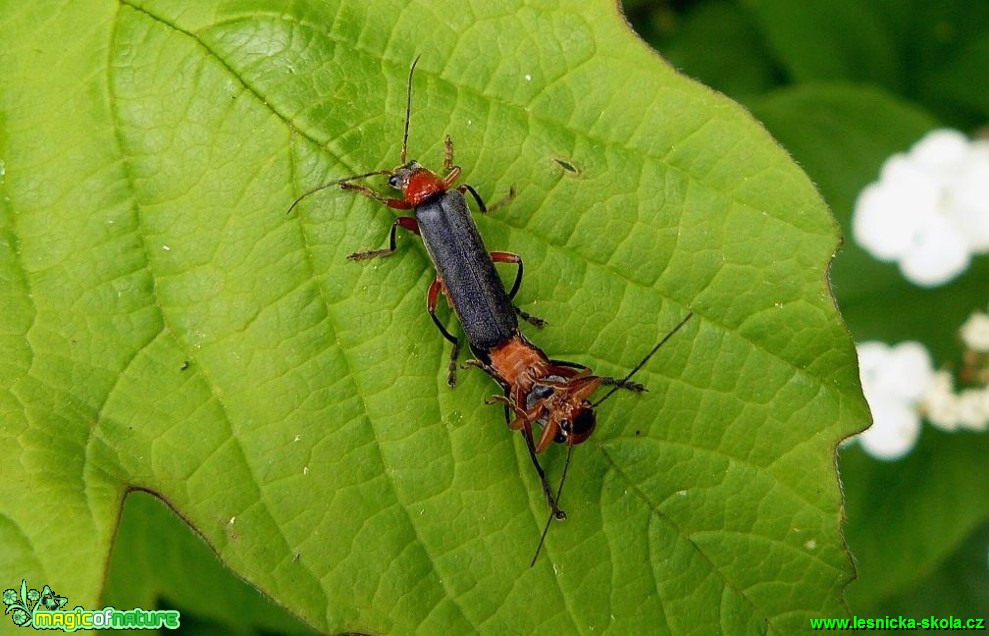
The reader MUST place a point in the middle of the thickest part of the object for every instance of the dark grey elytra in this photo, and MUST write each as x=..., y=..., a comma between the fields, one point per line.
x=475, y=290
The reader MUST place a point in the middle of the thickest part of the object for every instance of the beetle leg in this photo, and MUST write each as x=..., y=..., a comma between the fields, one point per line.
x=511, y=257
x=431, y=299
x=395, y=204
x=547, y=489
x=404, y=222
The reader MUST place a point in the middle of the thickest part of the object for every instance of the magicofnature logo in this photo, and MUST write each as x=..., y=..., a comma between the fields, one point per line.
x=43, y=610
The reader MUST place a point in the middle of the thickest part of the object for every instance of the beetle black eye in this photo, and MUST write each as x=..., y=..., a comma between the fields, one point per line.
x=582, y=426
x=584, y=423
x=395, y=182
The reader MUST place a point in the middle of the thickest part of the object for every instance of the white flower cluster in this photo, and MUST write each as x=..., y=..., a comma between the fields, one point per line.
x=951, y=411
x=975, y=332
x=894, y=380
x=900, y=385
x=967, y=409
x=929, y=211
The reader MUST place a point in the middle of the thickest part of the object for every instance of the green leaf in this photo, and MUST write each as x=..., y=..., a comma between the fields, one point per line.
x=838, y=40
x=934, y=53
x=947, y=44
x=927, y=504
x=156, y=558
x=841, y=133
x=168, y=327
x=958, y=82
x=719, y=44
x=945, y=480
x=956, y=587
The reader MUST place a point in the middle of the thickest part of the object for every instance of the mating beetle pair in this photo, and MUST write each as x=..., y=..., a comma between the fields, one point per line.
x=540, y=393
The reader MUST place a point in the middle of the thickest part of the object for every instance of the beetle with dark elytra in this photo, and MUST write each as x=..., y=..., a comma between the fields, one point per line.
x=540, y=394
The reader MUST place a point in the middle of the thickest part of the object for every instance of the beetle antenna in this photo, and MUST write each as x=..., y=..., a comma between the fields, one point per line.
x=405, y=146
x=553, y=514
x=619, y=384
x=330, y=184
x=408, y=110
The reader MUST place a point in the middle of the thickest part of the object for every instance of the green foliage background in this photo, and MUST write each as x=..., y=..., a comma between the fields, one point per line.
x=169, y=329
x=843, y=85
